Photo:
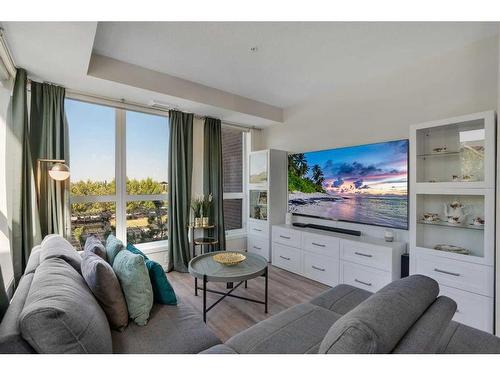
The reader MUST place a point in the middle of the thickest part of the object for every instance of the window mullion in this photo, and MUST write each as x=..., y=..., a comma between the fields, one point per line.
x=120, y=176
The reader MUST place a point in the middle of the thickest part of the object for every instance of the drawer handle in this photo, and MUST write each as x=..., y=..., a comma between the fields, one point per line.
x=446, y=272
x=318, y=244
x=363, y=282
x=363, y=254
x=257, y=230
x=285, y=237
x=319, y=269
x=257, y=248
x=285, y=258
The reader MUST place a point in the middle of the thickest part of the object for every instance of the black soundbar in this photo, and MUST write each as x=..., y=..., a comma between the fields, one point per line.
x=330, y=229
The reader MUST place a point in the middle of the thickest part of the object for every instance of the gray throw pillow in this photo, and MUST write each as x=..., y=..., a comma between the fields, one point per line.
x=113, y=247
x=134, y=279
x=102, y=281
x=60, y=314
x=94, y=245
x=56, y=246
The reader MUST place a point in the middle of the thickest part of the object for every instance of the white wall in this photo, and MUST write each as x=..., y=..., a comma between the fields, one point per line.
x=459, y=82
x=5, y=258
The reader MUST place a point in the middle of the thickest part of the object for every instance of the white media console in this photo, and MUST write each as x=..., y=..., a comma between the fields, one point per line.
x=333, y=258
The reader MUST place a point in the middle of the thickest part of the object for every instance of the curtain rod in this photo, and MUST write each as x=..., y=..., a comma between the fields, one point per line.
x=122, y=103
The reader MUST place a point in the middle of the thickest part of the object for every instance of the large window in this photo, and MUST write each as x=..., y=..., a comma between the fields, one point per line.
x=233, y=156
x=119, y=164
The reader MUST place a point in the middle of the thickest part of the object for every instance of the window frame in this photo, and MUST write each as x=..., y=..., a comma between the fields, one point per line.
x=121, y=196
x=241, y=232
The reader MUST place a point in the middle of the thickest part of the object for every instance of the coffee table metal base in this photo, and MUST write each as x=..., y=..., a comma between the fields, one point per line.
x=229, y=294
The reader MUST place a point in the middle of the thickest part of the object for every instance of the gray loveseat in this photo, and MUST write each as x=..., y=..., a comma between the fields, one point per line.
x=406, y=316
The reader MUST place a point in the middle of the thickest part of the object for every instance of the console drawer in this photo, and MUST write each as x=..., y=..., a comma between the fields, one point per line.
x=286, y=257
x=323, y=245
x=287, y=236
x=258, y=228
x=321, y=268
x=472, y=309
x=363, y=277
x=471, y=277
x=258, y=245
x=367, y=254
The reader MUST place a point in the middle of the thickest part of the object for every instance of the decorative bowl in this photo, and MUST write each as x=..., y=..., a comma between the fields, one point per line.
x=229, y=258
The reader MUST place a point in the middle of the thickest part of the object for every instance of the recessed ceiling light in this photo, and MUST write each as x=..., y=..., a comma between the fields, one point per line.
x=254, y=49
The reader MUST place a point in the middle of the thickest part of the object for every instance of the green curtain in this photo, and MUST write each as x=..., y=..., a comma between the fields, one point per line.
x=4, y=299
x=22, y=212
x=180, y=170
x=213, y=177
x=49, y=140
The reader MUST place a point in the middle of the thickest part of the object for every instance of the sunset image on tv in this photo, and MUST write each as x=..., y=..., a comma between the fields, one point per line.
x=365, y=184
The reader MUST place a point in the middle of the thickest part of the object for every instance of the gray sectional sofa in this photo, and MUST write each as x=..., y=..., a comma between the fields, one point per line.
x=406, y=316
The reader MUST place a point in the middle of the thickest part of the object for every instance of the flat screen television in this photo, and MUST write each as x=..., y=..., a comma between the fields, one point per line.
x=365, y=184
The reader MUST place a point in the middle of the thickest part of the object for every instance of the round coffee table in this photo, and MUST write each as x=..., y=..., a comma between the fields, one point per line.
x=205, y=268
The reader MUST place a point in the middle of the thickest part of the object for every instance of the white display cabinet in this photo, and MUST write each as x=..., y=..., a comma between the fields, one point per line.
x=452, y=211
x=267, y=197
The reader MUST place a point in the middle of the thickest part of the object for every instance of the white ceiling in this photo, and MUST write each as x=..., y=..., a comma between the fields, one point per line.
x=294, y=61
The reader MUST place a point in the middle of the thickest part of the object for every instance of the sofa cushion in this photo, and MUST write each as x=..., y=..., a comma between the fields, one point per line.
x=104, y=284
x=55, y=246
x=11, y=339
x=162, y=290
x=171, y=330
x=341, y=299
x=94, y=245
x=297, y=330
x=377, y=324
x=113, y=247
x=219, y=349
x=423, y=337
x=61, y=315
x=134, y=279
x=462, y=339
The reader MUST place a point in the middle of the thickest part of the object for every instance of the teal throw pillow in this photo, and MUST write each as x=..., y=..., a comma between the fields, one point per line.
x=162, y=289
x=113, y=247
x=134, y=280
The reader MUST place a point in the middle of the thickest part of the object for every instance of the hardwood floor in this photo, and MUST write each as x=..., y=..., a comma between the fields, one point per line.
x=232, y=315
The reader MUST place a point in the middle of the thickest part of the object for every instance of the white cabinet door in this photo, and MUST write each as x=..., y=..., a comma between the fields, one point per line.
x=322, y=245
x=363, y=277
x=258, y=245
x=367, y=254
x=258, y=228
x=321, y=268
x=472, y=309
x=475, y=278
x=287, y=258
x=286, y=236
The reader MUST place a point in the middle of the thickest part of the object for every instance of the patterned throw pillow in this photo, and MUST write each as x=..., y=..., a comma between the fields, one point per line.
x=104, y=284
x=113, y=247
x=162, y=289
x=134, y=279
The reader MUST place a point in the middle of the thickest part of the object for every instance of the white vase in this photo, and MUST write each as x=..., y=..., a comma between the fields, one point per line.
x=205, y=221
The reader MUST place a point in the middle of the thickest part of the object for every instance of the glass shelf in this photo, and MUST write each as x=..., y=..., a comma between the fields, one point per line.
x=436, y=154
x=451, y=153
x=449, y=225
x=258, y=204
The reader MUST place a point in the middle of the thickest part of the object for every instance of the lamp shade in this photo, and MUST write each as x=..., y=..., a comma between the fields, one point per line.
x=59, y=172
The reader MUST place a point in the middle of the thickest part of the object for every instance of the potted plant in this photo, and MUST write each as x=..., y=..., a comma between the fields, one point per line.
x=197, y=206
x=207, y=206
